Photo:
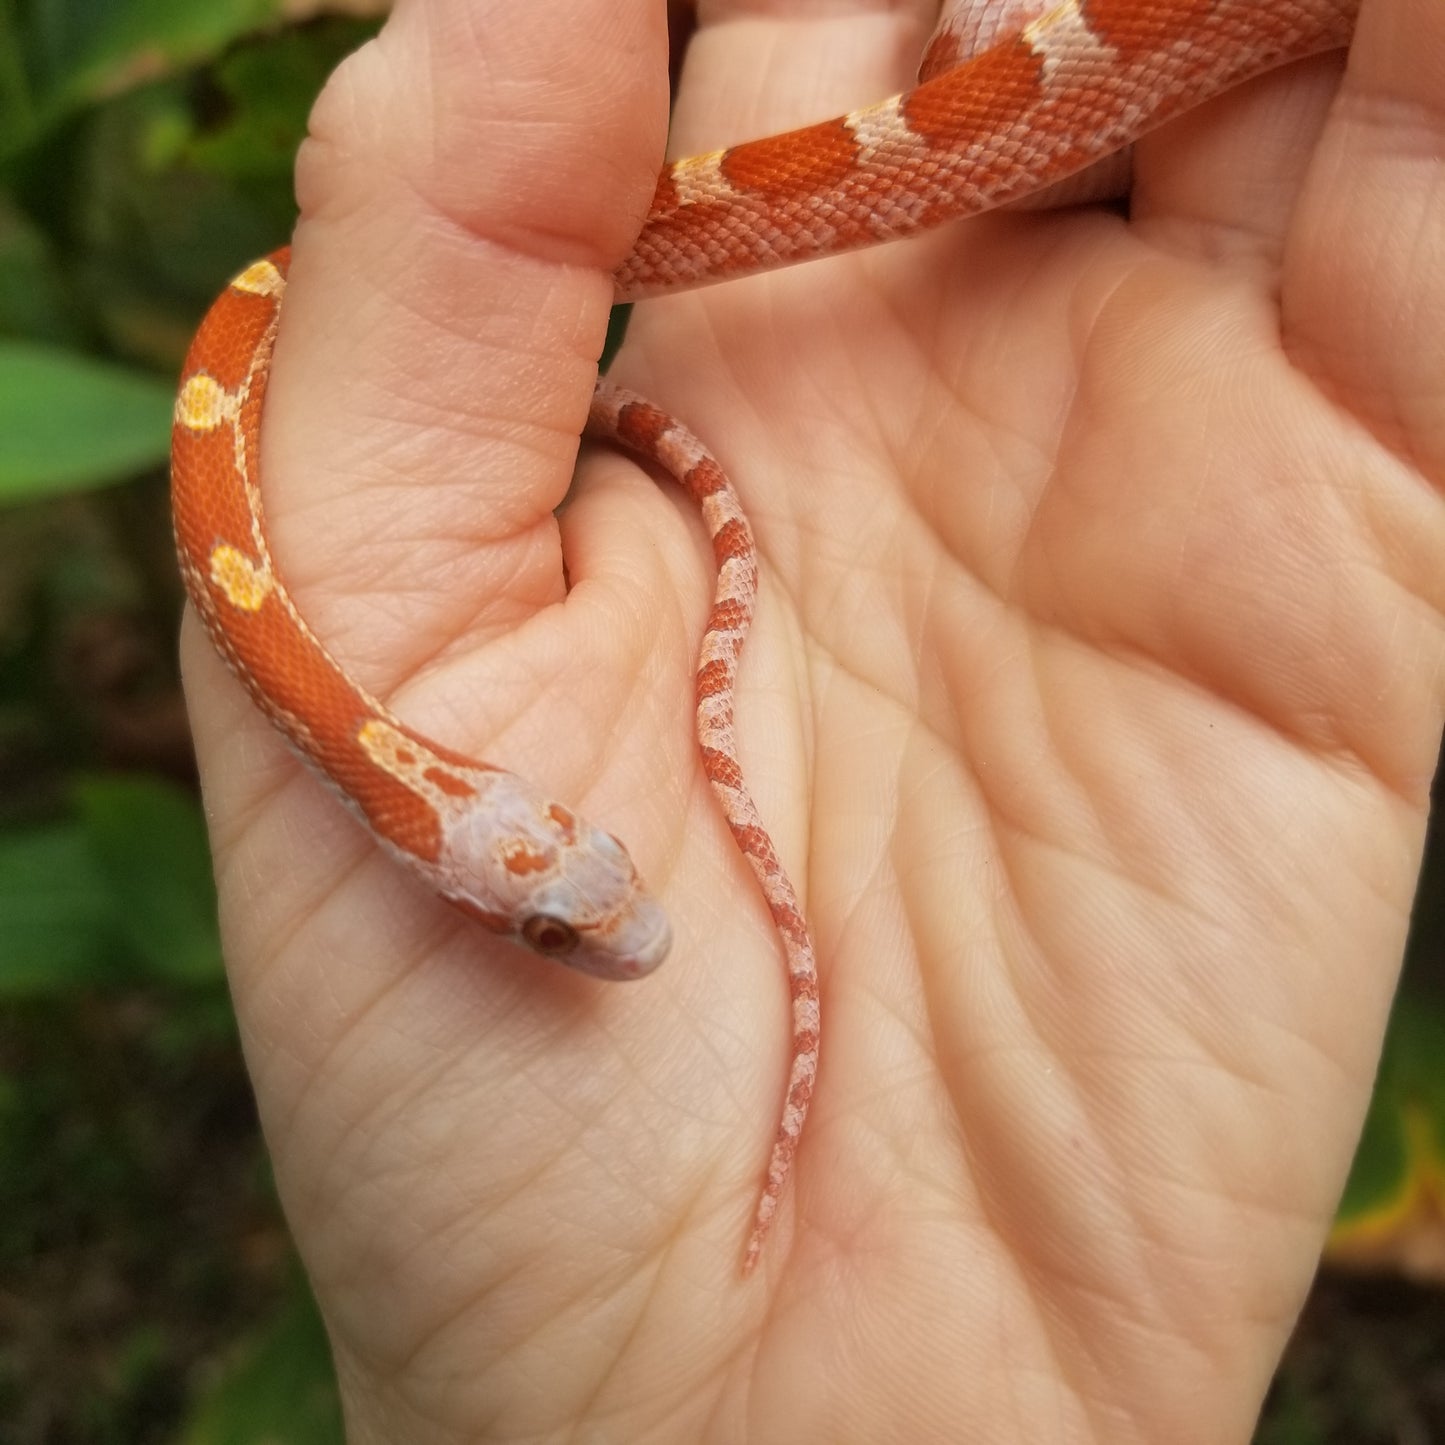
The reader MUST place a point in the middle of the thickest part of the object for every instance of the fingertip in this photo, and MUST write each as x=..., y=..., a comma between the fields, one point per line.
x=537, y=127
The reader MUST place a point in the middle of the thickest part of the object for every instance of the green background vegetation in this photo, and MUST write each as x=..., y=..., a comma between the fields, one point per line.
x=148, y=1291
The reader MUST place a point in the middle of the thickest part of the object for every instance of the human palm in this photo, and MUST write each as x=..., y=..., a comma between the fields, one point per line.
x=1093, y=700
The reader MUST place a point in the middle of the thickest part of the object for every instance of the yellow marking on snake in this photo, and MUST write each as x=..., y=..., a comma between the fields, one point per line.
x=260, y=279
x=244, y=585
x=204, y=404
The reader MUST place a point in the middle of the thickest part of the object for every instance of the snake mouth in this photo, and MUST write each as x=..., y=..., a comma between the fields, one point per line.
x=656, y=948
x=646, y=942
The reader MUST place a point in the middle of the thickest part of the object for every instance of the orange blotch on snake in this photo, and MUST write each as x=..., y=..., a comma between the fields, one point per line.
x=731, y=542
x=756, y=844
x=1111, y=19
x=704, y=479
x=445, y=782
x=1010, y=77
x=641, y=425
x=729, y=615
x=244, y=585
x=713, y=678
x=817, y=156
x=520, y=860
x=720, y=768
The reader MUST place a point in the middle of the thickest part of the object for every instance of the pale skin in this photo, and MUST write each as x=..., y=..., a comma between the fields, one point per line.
x=1093, y=701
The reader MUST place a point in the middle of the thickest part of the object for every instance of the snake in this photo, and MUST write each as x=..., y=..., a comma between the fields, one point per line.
x=1014, y=97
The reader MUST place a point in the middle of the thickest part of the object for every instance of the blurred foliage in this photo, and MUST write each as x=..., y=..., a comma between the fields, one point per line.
x=69, y=422
x=150, y=1294
x=150, y=1291
x=118, y=892
x=1392, y=1215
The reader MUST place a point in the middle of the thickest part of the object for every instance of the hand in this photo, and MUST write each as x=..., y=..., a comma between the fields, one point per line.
x=1093, y=703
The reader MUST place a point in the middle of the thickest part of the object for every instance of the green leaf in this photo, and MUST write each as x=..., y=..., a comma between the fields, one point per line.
x=68, y=423
x=279, y=1388
x=72, y=53
x=33, y=301
x=1380, y=1175
x=175, y=186
x=56, y=913
x=120, y=893
x=120, y=42
x=17, y=114
x=148, y=839
x=1394, y=1187
x=266, y=93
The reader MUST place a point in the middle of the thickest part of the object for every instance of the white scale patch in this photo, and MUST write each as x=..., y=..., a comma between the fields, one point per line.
x=883, y=138
x=1062, y=39
x=700, y=179
x=876, y=127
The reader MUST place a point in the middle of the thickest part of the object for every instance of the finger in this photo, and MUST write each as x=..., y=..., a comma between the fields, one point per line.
x=1223, y=179
x=1371, y=235
x=1364, y=311
x=471, y=178
x=758, y=66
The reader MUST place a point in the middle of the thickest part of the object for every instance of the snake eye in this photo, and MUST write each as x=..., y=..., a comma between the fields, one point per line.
x=549, y=935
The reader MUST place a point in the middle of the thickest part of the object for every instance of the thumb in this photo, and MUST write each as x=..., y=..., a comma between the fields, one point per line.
x=471, y=179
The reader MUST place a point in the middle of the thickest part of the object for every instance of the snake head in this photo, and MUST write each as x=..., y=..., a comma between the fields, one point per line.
x=614, y=931
x=530, y=868
x=595, y=914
